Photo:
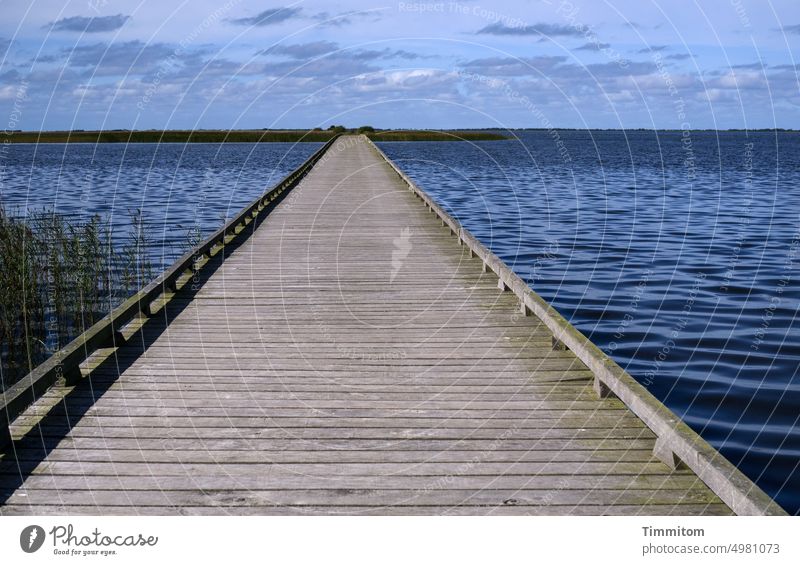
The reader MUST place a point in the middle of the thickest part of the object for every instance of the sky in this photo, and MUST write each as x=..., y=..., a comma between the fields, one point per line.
x=228, y=64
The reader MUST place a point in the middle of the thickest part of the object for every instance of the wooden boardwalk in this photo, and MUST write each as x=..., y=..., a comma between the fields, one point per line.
x=350, y=357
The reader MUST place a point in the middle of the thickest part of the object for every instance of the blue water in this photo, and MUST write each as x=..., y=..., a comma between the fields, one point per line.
x=179, y=188
x=677, y=254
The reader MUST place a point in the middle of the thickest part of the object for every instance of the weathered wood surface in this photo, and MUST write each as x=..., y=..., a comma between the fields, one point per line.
x=349, y=358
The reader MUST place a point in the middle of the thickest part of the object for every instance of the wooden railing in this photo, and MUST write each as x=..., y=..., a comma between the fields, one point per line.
x=676, y=444
x=65, y=363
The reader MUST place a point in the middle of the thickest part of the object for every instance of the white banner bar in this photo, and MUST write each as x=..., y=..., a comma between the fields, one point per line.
x=398, y=540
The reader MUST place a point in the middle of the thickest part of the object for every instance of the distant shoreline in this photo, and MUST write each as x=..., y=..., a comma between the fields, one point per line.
x=237, y=136
x=299, y=136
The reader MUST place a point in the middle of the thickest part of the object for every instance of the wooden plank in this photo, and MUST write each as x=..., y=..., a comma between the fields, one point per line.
x=267, y=482
x=362, y=497
x=592, y=421
x=191, y=470
x=293, y=444
x=341, y=433
x=118, y=456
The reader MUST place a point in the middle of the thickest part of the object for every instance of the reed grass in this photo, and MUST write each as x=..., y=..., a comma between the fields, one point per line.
x=58, y=276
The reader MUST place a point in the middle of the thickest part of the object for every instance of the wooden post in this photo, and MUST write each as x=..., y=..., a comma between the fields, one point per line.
x=72, y=375
x=5, y=435
x=148, y=310
x=601, y=389
x=118, y=339
x=664, y=453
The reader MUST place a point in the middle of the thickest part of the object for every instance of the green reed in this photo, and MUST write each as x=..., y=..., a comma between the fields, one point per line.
x=58, y=276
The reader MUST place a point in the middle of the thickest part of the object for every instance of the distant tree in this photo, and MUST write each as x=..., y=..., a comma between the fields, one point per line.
x=366, y=129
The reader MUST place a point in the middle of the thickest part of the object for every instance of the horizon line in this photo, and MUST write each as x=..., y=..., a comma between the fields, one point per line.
x=318, y=129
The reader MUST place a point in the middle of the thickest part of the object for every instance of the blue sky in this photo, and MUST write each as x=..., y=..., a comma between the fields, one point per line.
x=538, y=63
